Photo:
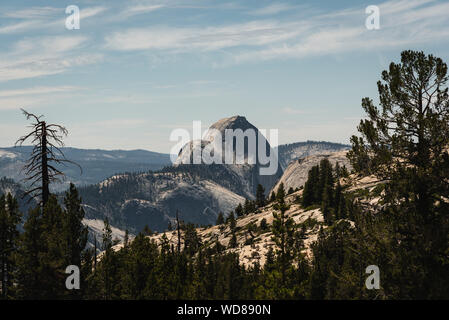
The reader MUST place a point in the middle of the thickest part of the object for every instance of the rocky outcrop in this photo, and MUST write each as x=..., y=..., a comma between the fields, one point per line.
x=299, y=150
x=250, y=170
x=295, y=176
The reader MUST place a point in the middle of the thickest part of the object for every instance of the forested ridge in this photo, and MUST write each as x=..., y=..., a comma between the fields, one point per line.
x=403, y=143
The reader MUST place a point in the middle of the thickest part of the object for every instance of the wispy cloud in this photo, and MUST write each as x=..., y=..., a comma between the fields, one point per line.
x=35, y=57
x=31, y=13
x=17, y=27
x=292, y=111
x=20, y=102
x=32, y=97
x=254, y=33
x=403, y=23
x=36, y=90
x=272, y=9
x=41, y=18
x=141, y=9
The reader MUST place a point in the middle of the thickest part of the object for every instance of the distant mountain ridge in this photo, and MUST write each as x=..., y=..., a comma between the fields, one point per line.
x=138, y=188
x=97, y=164
x=17, y=191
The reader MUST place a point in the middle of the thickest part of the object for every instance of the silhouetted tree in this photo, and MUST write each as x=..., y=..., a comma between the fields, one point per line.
x=41, y=168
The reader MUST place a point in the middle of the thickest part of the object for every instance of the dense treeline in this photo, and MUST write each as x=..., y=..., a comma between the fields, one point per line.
x=323, y=188
x=55, y=238
x=33, y=264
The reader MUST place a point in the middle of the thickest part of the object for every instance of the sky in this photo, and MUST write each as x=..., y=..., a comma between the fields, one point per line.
x=136, y=70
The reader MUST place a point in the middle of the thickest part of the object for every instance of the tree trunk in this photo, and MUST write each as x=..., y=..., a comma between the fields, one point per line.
x=179, y=232
x=45, y=178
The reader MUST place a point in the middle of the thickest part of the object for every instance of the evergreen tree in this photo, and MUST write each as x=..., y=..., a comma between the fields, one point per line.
x=75, y=233
x=192, y=241
x=126, y=239
x=280, y=195
x=338, y=171
x=270, y=260
x=283, y=229
x=231, y=221
x=220, y=219
x=246, y=207
x=404, y=141
x=263, y=224
x=344, y=172
x=53, y=257
x=28, y=262
x=41, y=255
x=10, y=218
x=341, y=209
x=260, y=196
x=107, y=267
x=233, y=241
x=311, y=187
x=147, y=231
x=239, y=210
x=272, y=197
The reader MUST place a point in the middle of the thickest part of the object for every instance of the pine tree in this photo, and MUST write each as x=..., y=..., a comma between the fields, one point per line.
x=220, y=219
x=239, y=210
x=338, y=171
x=231, y=221
x=10, y=218
x=272, y=197
x=280, y=195
x=315, y=185
x=246, y=207
x=192, y=241
x=311, y=187
x=75, y=233
x=270, y=260
x=283, y=229
x=28, y=261
x=404, y=141
x=41, y=254
x=53, y=257
x=263, y=224
x=260, y=196
x=344, y=172
x=107, y=262
x=326, y=205
x=147, y=231
x=339, y=202
x=233, y=241
x=126, y=239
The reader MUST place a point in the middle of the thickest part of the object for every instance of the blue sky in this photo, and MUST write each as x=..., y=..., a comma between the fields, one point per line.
x=136, y=70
